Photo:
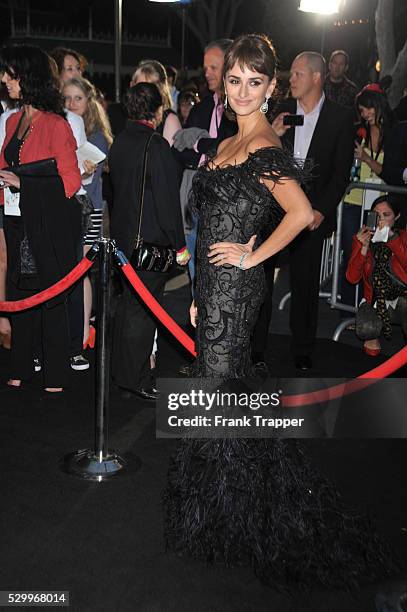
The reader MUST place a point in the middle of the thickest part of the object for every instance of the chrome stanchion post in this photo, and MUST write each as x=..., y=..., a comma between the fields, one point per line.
x=100, y=463
x=102, y=352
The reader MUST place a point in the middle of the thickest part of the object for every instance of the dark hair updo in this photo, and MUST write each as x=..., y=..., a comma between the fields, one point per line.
x=253, y=51
x=143, y=101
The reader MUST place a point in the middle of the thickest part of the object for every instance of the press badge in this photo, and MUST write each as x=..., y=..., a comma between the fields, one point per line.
x=11, y=203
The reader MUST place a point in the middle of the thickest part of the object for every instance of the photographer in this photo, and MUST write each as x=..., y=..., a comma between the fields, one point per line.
x=379, y=259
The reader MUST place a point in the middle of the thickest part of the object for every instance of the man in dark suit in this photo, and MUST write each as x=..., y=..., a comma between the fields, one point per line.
x=192, y=143
x=325, y=141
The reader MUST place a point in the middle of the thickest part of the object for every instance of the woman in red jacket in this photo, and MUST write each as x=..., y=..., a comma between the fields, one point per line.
x=382, y=266
x=42, y=219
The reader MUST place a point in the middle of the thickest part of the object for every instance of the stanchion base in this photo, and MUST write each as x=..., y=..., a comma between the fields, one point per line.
x=89, y=466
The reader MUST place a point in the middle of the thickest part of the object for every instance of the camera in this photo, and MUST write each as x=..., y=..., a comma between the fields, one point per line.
x=372, y=219
x=294, y=120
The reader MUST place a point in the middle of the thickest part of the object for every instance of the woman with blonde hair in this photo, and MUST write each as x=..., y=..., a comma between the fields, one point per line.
x=81, y=98
x=152, y=71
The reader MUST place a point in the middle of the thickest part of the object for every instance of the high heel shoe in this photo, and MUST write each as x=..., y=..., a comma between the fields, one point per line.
x=372, y=352
x=90, y=342
x=5, y=340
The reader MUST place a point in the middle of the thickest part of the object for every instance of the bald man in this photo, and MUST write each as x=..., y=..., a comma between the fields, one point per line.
x=326, y=141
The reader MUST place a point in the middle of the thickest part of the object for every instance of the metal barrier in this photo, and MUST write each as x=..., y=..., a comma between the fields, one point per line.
x=326, y=260
x=334, y=295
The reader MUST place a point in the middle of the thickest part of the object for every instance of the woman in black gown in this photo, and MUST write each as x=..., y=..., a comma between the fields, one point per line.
x=254, y=501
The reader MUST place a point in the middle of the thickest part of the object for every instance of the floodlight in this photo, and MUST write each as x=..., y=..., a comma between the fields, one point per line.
x=323, y=7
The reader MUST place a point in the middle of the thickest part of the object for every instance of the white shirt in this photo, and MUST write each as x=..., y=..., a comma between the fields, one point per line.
x=3, y=119
x=78, y=129
x=303, y=133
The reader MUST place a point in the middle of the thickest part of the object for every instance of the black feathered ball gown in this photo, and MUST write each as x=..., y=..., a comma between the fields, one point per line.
x=258, y=502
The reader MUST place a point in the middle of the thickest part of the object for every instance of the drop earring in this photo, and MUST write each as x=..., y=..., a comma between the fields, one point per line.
x=265, y=106
x=225, y=104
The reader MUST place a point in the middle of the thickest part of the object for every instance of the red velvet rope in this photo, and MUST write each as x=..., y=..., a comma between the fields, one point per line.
x=157, y=309
x=383, y=370
x=364, y=380
x=394, y=363
x=55, y=289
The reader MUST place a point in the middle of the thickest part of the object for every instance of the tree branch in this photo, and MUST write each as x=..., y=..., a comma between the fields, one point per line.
x=198, y=31
x=213, y=21
x=385, y=35
x=232, y=17
x=224, y=8
x=205, y=8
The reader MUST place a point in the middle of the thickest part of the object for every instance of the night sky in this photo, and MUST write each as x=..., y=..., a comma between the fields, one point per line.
x=291, y=30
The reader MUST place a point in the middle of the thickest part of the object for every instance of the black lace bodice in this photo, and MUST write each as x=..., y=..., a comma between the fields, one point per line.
x=233, y=204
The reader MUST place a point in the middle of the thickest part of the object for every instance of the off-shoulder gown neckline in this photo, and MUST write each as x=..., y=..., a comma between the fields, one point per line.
x=216, y=167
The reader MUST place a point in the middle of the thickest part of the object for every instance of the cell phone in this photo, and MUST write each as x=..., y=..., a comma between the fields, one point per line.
x=293, y=120
x=371, y=220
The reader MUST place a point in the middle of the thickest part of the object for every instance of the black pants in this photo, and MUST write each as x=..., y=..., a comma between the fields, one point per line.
x=76, y=319
x=133, y=334
x=39, y=332
x=305, y=264
x=76, y=311
x=261, y=329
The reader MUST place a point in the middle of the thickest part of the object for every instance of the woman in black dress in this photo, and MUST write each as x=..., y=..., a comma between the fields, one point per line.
x=254, y=501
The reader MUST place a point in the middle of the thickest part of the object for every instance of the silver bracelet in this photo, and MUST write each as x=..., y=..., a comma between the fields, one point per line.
x=242, y=258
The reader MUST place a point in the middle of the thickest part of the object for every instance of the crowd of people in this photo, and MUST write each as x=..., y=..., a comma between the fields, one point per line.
x=223, y=184
x=337, y=128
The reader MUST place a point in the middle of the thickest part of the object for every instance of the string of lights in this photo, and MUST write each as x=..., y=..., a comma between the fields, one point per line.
x=346, y=22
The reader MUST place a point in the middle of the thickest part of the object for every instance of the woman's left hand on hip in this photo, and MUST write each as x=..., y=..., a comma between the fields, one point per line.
x=229, y=253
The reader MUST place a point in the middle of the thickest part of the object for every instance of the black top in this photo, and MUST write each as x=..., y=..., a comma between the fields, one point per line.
x=12, y=150
x=162, y=220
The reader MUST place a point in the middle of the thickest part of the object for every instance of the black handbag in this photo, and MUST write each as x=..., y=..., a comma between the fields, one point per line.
x=368, y=325
x=146, y=255
x=39, y=168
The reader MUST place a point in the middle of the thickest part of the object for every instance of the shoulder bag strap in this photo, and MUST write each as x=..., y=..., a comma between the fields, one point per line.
x=142, y=189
